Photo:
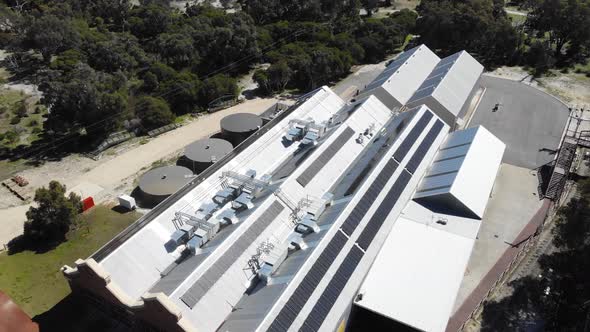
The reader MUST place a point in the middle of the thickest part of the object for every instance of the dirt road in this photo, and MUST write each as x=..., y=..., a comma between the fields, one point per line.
x=115, y=173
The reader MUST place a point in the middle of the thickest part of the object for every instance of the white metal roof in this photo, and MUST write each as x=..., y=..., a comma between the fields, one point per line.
x=463, y=172
x=409, y=140
x=219, y=301
x=136, y=265
x=448, y=86
x=417, y=274
x=396, y=84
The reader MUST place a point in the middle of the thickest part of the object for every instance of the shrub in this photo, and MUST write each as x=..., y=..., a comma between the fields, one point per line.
x=33, y=123
x=15, y=120
x=21, y=109
x=11, y=136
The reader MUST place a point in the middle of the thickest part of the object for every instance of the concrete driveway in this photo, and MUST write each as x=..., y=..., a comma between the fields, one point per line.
x=527, y=120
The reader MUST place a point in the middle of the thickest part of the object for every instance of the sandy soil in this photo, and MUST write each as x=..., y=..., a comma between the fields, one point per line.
x=573, y=89
x=117, y=171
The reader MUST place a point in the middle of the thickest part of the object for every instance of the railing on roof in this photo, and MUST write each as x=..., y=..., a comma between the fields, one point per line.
x=105, y=250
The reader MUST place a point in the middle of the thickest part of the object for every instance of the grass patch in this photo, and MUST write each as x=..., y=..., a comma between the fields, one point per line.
x=35, y=282
x=517, y=19
x=27, y=125
x=582, y=68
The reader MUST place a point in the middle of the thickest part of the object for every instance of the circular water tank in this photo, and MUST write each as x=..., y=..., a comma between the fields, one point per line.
x=159, y=183
x=237, y=127
x=203, y=153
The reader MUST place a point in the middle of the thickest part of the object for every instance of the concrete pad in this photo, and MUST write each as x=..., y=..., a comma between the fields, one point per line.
x=11, y=223
x=511, y=206
x=527, y=120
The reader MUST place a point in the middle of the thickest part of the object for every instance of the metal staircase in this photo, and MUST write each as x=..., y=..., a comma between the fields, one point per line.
x=561, y=168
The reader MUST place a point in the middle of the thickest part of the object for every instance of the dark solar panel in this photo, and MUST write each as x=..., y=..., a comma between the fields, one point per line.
x=320, y=310
x=309, y=283
x=424, y=146
x=210, y=277
x=403, y=149
x=374, y=224
x=450, y=58
x=325, y=157
x=368, y=198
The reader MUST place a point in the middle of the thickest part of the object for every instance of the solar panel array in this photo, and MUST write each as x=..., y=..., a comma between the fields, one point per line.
x=435, y=77
x=409, y=141
x=368, y=198
x=325, y=157
x=364, y=240
x=391, y=68
x=329, y=296
x=309, y=283
x=424, y=146
x=320, y=310
x=194, y=294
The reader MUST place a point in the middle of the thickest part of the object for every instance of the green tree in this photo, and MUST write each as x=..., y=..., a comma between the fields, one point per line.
x=51, y=35
x=475, y=26
x=150, y=20
x=153, y=112
x=540, y=57
x=181, y=92
x=83, y=98
x=68, y=60
x=215, y=87
x=567, y=22
x=50, y=219
x=275, y=79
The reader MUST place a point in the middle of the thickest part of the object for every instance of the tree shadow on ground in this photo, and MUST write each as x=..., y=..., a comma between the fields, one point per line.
x=520, y=311
x=22, y=243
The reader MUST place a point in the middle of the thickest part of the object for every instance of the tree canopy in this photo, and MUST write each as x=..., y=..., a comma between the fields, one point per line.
x=50, y=220
x=476, y=26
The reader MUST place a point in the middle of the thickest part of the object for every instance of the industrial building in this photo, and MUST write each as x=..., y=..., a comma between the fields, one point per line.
x=331, y=207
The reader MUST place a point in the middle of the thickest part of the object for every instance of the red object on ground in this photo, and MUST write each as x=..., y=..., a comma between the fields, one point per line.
x=13, y=318
x=87, y=203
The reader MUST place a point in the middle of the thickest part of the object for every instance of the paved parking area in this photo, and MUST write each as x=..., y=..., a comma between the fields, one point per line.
x=510, y=208
x=527, y=120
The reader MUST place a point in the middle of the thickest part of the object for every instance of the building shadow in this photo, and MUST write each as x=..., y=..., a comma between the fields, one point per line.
x=74, y=313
